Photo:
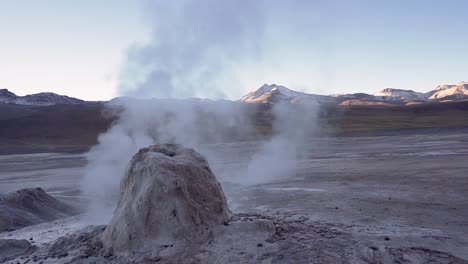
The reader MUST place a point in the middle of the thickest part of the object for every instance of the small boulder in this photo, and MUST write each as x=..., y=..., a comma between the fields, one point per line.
x=11, y=248
x=83, y=243
x=168, y=194
x=30, y=206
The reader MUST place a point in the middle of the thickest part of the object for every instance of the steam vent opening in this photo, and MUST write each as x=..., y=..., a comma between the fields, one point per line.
x=168, y=195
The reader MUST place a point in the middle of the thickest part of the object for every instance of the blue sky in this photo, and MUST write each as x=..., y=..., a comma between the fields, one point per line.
x=78, y=47
x=64, y=46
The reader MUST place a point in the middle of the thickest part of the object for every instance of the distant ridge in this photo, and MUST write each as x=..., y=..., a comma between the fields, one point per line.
x=39, y=99
x=274, y=93
x=269, y=94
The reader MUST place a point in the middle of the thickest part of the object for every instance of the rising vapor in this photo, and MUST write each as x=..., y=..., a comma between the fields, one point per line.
x=196, y=50
x=193, y=49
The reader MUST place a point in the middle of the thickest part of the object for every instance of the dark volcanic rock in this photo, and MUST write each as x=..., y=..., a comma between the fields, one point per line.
x=7, y=96
x=11, y=248
x=47, y=99
x=169, y=194
x=84, y=243
x=30, y=207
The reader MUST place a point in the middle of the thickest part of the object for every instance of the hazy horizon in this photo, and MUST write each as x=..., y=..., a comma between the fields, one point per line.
x=252, y=90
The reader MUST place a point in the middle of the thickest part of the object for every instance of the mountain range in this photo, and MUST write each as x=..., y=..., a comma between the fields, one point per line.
x=49, y=122
x=389, y=96
x=270, y=94
x=39, y=99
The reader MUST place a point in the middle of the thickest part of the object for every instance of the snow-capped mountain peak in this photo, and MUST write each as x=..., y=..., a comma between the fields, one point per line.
x=450, y=92
x=266, y=88
x=272, y=93
x=389, y=96
x=401, y=94
x=268, y=93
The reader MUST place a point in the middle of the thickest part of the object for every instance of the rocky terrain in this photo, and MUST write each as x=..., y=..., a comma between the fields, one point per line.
x=394, y=194
x=246, y=238
x=169, y=195
x=28, y=207
x=379, y=199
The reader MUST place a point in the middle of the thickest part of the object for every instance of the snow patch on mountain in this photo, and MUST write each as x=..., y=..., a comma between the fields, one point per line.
x=450, y=92
x=7, y=96
x=40, y=99
x=276, y=93
x=270, y=94
x=266, y=93
x=400, y=94
x=273, y=93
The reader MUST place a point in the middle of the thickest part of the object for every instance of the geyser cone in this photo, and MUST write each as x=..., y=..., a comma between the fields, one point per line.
x=168, y=194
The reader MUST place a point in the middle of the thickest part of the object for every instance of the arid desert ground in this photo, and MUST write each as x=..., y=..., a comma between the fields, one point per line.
x=403, y=194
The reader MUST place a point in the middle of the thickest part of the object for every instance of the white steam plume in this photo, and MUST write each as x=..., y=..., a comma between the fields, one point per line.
x=195, y=47
x=276, y=159
x=142, y=123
